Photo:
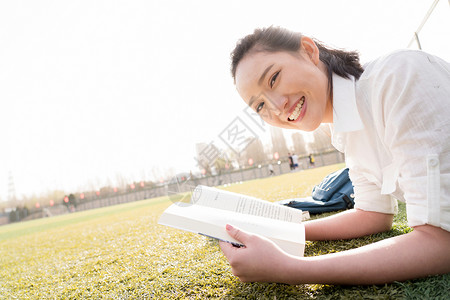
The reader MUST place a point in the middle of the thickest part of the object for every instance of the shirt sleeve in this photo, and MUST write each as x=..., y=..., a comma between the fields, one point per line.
x=412, y=106
x=368, y=196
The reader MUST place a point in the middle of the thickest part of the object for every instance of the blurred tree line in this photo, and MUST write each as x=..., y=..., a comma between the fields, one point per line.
x=254, y=154
x=19, y=209
x=18, y=214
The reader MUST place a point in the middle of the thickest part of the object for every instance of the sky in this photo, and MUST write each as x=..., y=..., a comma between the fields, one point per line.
x=94, y=91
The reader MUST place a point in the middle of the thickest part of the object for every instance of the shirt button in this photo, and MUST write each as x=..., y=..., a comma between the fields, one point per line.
x=433, y=162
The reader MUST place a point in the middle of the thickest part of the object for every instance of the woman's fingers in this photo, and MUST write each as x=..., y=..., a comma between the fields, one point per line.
x=227, y=248
x=238, y=234
x=260, y=260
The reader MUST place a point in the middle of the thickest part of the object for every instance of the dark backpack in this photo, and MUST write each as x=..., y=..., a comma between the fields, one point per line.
x=335, y=192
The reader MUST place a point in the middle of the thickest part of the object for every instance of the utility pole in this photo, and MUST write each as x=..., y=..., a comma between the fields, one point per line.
x=425, y=19
x=11, y=189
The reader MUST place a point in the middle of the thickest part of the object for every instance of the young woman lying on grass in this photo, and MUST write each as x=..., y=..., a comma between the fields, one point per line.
x=391, y=119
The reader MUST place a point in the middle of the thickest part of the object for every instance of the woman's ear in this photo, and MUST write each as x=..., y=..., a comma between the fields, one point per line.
x=309, y=48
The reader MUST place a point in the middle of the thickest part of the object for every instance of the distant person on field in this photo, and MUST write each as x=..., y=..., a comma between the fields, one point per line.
x=311, y=160
x=391, y=120
x=295, y=161
x=291, y=162
x=270, y=167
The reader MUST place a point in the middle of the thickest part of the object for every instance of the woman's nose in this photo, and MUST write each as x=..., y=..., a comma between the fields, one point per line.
x=278, y=105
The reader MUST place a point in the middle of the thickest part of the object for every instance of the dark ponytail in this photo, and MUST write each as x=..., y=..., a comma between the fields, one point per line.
x=274, y=39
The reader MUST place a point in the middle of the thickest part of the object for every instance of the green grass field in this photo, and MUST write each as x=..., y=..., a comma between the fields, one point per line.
x=120, y=252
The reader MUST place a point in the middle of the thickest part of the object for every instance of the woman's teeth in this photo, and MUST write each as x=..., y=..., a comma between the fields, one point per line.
x=297, y=110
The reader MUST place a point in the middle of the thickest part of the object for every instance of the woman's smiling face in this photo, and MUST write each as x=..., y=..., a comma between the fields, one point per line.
x=288, y=90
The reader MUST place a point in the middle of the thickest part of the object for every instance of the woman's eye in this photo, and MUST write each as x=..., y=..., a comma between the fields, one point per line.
x=273, y=79
x=259, y=107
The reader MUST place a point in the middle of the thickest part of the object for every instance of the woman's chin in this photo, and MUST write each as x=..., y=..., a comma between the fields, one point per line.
x=308, y=127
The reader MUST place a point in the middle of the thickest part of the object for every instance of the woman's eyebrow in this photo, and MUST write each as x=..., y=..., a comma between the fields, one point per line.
x=264, y=74
x=252, y=99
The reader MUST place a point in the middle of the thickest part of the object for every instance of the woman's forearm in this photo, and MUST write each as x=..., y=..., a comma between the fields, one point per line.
x=416, y=254
x=346, y=225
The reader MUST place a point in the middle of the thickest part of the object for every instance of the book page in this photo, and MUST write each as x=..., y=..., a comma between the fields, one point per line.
x=230, y=201
x=211, y=222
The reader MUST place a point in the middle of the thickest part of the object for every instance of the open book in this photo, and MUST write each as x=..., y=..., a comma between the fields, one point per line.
x=210, y=209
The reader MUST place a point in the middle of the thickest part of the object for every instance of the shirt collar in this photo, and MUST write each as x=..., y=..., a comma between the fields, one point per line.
x=345, y=112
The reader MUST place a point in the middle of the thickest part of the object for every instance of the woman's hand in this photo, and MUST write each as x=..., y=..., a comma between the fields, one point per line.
x=259, y=261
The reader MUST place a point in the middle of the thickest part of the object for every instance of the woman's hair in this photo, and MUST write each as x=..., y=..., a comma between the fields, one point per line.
x=274, y=39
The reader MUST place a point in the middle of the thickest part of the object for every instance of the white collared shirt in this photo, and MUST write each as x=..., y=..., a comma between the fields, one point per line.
x=393, y=125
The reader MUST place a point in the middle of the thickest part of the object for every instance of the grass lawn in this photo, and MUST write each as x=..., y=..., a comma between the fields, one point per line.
x=120, y=252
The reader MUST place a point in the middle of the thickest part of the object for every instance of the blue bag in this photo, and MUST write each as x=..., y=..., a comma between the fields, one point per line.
x=335, y=192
